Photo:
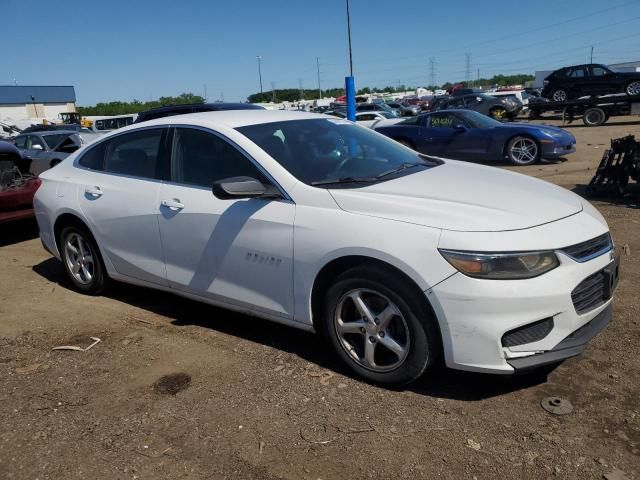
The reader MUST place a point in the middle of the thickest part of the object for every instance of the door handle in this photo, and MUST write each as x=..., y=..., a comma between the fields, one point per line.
x=173, y=204
x=93, y=191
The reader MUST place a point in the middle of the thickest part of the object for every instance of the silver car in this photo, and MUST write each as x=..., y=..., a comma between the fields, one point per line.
x=48, y=148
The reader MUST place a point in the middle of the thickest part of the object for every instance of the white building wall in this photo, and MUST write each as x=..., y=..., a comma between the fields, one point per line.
x=13, y=112
x=51, y=110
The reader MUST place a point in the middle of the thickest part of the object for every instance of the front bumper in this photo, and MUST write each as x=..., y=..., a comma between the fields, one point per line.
x=555, y=150
x=573, y=345
x=474, y=316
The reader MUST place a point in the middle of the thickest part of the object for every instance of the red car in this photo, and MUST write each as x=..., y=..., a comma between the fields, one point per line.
x=17, y=187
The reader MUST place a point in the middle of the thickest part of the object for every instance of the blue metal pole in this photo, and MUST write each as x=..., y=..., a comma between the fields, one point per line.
x=350, y=89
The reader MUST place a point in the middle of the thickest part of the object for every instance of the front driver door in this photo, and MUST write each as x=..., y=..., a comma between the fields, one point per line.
x=237, y=251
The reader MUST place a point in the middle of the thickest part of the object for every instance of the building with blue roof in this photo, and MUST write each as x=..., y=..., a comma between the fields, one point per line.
x=35, y=103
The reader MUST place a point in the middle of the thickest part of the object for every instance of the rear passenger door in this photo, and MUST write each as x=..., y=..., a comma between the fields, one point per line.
x=235, y=251
x=118, y=188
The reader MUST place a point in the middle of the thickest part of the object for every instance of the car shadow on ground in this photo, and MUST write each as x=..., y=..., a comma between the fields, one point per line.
x=441, y=382
x=18, y=231
x=630, y=200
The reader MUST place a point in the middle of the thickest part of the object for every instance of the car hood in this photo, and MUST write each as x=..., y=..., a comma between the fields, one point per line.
x=462, y=197
x=544, y=128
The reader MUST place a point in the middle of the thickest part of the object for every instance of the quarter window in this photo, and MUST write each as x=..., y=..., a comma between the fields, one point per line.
x=134, y=154
x=21, y=142
x=201, y=158
x=94, y=157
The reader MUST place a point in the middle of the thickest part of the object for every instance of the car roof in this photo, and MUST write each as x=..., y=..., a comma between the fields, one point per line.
x=45, y=133
x=229, y=118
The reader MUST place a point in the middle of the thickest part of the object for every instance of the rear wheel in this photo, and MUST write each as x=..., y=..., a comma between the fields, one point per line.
x=633, y=89
x=378, y=327
x=498, y=113
x=594, y=117
x=523, y=150
x=82, y=260
x=560, y=95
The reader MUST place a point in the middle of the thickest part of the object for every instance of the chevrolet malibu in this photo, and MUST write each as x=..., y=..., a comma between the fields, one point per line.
x=399, y=260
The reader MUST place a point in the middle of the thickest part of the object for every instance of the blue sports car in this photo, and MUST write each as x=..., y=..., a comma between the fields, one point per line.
x=469, y=135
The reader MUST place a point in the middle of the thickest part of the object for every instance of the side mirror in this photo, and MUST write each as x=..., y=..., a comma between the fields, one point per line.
x=37, y=147
x=242, y=187
x=460, y=129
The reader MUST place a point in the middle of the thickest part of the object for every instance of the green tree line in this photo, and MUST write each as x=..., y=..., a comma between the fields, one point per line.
x=136, y=106
x=295, y=94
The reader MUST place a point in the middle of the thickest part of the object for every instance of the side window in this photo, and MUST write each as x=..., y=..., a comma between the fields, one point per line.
x=598, y=72
x=33, y=140
x=21, y=142
x=577, y=73
x=455, y=103
x=441, y=121
x=365, y=117
x=201, y=158
x=93, y=158
x=134, y=154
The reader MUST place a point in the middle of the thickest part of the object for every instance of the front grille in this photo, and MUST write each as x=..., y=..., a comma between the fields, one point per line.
x=530, y=333
x=590, y=293
x=581, y=252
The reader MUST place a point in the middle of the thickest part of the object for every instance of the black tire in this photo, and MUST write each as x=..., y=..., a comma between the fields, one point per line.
x=560, y=95
x=498, y=113
x=594, y=117
x=520, y=160
x=422, y=341
x=99, y=279
x=406, y=143
x=633, y=88
x=54, y=162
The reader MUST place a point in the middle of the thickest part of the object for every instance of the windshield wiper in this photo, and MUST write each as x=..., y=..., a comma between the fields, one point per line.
x=402, y=167
x=344, y=180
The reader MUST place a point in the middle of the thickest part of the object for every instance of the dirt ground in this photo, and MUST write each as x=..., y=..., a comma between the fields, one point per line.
x=176, y=389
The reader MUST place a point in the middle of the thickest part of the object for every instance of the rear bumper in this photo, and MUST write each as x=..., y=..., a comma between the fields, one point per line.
x=571, y=346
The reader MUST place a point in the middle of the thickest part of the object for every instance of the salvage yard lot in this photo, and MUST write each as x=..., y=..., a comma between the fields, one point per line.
x=259, y=400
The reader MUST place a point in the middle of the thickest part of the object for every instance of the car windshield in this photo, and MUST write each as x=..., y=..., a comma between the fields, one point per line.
x=333, y=151
x=477, y=120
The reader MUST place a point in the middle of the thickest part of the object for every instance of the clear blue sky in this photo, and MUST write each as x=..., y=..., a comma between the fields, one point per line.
x=121, y=50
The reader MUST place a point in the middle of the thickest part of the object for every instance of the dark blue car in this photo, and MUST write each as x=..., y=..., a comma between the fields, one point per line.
x=469, y=135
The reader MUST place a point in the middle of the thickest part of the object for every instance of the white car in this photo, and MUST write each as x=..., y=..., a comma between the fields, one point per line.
x=398, y=259
x=377, y=119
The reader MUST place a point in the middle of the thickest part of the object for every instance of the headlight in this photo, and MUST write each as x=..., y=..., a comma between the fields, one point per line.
x=501, y=266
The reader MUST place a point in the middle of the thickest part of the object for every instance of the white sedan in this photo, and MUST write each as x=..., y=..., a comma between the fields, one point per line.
x=398, y=259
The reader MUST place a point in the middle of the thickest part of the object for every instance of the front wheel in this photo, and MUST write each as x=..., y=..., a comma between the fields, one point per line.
x=378, y=328
x=633, y=89
x=523, y=151
x=82, y=260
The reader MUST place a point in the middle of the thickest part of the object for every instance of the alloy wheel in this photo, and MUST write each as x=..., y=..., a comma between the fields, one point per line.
x=524, y=150
x=372, y=330
x=560, y=96
x=633, y=89
x=79, y=258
